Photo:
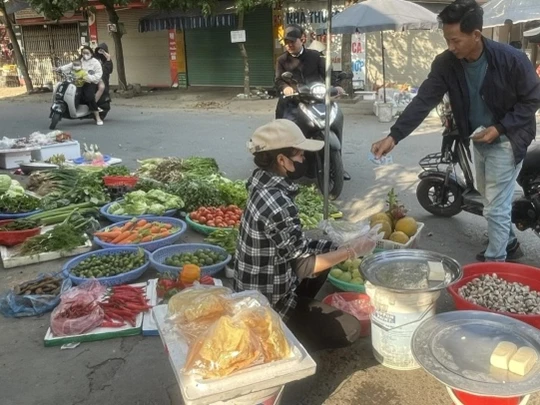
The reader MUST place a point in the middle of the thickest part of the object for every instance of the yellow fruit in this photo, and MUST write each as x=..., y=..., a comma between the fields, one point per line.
x=399, y=237
x=407, y=225
x=381, y=216
x=386, y=228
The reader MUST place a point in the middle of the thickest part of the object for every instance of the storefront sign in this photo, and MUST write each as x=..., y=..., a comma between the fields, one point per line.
x=358, y=60
x=173, y=65
x=238, y=37
x=308, y=17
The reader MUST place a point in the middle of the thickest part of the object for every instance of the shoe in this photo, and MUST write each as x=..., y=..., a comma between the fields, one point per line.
x=100, y=123
x=346, y=176
x=100, y=109
x=513, y=252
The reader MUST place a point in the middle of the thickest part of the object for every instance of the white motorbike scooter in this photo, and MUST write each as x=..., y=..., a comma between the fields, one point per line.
x=66, y=104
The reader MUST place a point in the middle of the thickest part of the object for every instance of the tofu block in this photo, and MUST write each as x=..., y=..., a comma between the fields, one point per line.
x=502, y=354
x=436, y=271
x=523, y=361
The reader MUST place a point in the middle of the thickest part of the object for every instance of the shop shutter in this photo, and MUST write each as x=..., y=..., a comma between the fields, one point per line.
x=44, y=42
x=146, y=55
x=213, y=61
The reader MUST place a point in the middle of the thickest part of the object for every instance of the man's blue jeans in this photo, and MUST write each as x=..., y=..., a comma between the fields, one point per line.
x=496, y=174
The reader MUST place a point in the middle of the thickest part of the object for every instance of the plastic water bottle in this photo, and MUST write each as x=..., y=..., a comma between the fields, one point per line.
x=383, y=161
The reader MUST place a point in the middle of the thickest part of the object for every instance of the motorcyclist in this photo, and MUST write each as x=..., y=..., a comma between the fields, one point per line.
x=102, y=54
x=306, y=65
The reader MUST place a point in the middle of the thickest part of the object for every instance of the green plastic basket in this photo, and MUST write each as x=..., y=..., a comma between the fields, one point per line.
x=200, y=228
x=345, y=286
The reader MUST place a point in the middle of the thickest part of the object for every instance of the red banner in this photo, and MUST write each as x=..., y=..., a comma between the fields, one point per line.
x=173, y=60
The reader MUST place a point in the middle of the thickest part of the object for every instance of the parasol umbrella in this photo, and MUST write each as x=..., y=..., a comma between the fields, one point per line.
x=497, y=12
x=384, y=15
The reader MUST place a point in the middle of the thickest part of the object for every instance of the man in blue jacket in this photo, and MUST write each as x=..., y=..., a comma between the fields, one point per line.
x=490, y=85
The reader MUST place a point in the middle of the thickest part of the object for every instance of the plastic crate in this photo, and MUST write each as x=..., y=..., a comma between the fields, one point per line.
x=120, y=181
x=154, y=245
x=119, y=218
x=159, y=256
x=119, y=279
x=411, y=244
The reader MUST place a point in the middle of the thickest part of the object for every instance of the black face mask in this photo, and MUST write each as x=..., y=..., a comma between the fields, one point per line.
x=300, y=170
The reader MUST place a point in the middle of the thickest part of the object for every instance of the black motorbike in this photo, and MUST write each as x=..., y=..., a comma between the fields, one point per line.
x=310, y=116
x=444, y=192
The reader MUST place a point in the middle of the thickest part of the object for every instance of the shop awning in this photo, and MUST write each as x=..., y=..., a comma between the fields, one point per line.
x=224, y=16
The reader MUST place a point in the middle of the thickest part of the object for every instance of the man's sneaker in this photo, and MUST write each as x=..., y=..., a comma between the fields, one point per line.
x=513, y=252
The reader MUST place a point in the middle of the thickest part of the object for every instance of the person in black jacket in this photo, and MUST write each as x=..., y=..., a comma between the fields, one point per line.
x=102, y=54
x=490, y=85
x=306, y=65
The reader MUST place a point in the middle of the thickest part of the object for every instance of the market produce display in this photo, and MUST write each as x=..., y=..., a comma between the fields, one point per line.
x=59, y=215
x=197, y=192
x=48, y=285
x=348, y=272
x=136, y=231
x=154, y=202
x=65, y=237
x=201, y=257
x=20, y=225
x=310, y=203
x=497, y=294
x=108, y=265
x=217, y=217
x=168, y=170
x=169, y=285
x=395, y=224
x=18, y=204
x=122, y=305
x=224, y=238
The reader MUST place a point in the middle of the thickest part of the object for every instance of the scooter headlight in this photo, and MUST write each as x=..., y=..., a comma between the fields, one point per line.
x=318, y=91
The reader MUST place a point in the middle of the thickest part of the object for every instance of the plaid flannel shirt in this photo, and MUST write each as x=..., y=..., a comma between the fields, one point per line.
x=271, y=237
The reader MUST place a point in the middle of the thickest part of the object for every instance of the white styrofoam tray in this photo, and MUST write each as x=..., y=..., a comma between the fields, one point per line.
x=11, y=256
x=197, y=391
x=70, y=150
x=99, y=333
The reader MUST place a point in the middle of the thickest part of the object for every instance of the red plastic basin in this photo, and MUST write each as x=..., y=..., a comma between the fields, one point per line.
x=511, y=272
x=12, y=238
x=471, y=399
x=365, y=323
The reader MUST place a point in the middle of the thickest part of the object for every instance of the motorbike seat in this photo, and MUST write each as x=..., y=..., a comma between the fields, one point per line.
x=531, y=163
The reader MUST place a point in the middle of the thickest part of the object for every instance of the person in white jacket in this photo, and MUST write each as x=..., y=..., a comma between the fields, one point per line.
x=93, y=70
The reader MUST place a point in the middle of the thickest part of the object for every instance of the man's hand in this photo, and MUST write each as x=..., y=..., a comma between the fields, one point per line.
x=340, y=90
x=383, y=147
x=488, y=135
x=288, y=91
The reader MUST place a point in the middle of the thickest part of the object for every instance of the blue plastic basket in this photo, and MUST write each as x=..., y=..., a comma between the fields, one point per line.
x=21, y=215
x=150, y=246
x=108, y=281
x=80, y=160
x=119, y=218
x=159, y=256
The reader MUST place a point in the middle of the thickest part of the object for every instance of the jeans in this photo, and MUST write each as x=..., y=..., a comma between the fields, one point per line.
x=496, y=174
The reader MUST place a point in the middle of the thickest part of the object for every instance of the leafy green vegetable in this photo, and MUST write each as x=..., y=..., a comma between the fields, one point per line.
x=115, y=170
x=5, y=183
x=310, y=203
x=15, y=190
x=20, y=224
x=138, y=203
x=196, y=193
x=156, y=209
x=172, y=169
x=233, y=192
x=16, y=204
x=224, y=238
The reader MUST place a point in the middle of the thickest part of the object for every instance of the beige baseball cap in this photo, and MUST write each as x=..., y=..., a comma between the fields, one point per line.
x=281, y=134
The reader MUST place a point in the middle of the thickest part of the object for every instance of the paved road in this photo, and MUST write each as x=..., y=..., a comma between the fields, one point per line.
x=135, y=370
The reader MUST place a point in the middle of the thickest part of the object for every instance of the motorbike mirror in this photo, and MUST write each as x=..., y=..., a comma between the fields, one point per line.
x=288, y=77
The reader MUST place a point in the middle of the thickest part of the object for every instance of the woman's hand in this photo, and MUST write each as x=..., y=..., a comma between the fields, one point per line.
x=364, y=245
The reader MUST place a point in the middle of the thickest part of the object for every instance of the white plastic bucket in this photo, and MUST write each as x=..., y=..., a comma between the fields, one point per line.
x=393, y=322
x=385, y=112
x=270, y=396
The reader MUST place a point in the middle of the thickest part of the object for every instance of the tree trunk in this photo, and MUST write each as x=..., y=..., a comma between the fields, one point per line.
x=21, y=63
x=117, y=39
x=346, y=63
x=243, y=52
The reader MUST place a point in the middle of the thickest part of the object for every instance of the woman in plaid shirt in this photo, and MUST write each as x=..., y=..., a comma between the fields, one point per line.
x=274, y=256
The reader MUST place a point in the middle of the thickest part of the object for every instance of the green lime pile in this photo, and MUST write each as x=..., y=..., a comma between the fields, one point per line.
x=201, y=257
x=109, y=265
x=348, y=271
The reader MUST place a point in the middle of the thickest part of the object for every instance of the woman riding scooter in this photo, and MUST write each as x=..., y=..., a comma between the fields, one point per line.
x=94, y=71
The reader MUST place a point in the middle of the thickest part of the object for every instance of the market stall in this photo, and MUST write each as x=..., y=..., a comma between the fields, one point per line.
x=131, y=271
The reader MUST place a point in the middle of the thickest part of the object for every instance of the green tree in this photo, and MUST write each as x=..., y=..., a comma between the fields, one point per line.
x=54, y=10
x=21, y=62
x=208, y=7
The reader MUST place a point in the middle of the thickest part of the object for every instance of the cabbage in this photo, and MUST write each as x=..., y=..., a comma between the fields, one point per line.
x=156, y=209
x=116, y=209
x=158, y=195
x=135, y=208
x=15, y=189
x=5, y=183
x=135, y=196
x=174, y=203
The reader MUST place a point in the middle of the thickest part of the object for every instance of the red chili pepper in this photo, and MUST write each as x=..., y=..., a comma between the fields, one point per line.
x=108, y=324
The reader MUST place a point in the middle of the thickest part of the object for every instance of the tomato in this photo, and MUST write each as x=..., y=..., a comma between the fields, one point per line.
x=219, y=218
x=231, y=223
x=210, y=217
x=194, y=216
x=211, y=223
x=202, y=220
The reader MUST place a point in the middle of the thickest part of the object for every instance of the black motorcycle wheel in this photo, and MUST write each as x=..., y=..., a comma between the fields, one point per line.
x=429, y=191
x=55, y=119
x=336, y=175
